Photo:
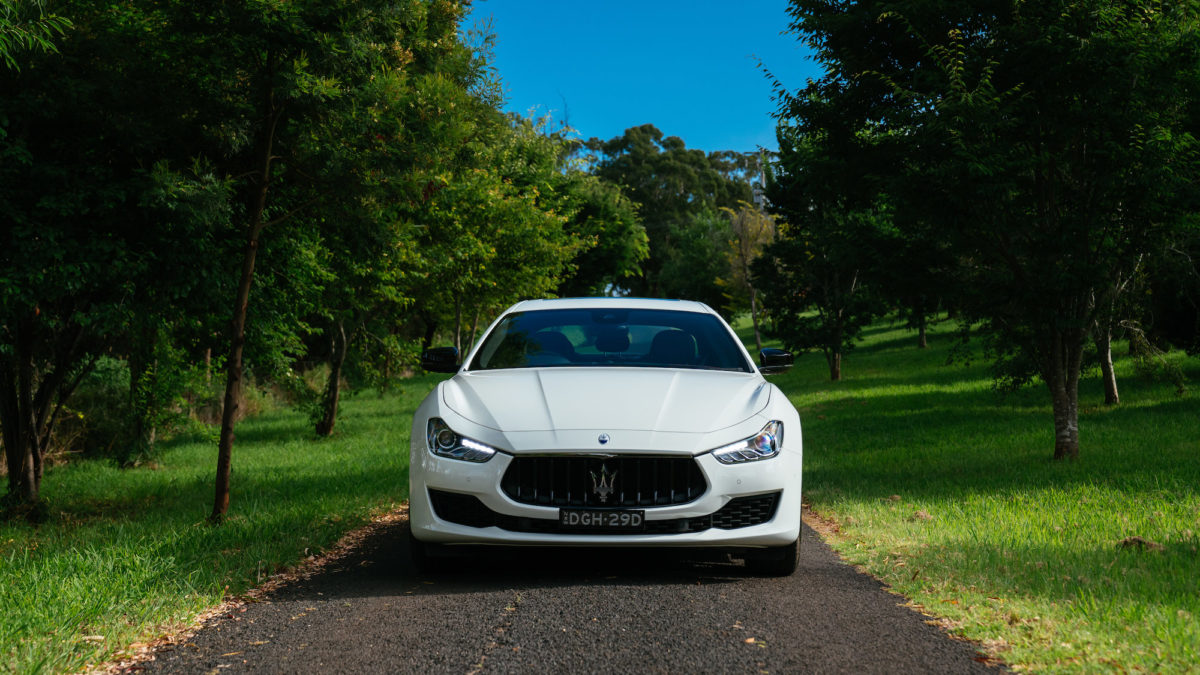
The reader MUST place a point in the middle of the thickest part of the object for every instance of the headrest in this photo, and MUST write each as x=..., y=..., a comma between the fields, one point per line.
x=613, y=339
x=674, y=347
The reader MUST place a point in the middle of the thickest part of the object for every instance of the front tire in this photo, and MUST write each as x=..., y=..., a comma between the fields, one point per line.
x=425, y=558
x=775, y=561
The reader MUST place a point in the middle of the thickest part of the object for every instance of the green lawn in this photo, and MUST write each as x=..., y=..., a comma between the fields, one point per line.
x=128, y=553
x=946, y=490
x=941, y=487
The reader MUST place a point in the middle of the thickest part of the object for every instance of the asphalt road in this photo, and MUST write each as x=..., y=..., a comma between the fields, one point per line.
x=576, y=612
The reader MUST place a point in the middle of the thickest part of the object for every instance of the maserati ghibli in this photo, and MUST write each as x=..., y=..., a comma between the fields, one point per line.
x=608, y=422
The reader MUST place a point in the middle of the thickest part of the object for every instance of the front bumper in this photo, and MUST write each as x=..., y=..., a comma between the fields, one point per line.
x=715, y=519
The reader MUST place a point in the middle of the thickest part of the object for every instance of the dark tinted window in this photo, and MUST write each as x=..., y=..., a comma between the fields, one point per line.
x=649, y=338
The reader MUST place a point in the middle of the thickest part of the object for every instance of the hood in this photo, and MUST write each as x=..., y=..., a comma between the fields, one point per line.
x=642, y=399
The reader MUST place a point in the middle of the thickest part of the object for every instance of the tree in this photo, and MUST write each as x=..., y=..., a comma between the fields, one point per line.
x=1049, y=145
x=496, y=232
x=19, y=31
x=829, y=239
x=751, y=230
x=615, y=242
x=694, y=261
x=277, y=87
x=407, y=127
x=672, y=185
x=87, y=218
x=1172, y=282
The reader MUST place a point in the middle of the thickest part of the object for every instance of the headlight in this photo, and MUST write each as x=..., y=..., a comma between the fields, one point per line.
x=763, y=445
x=444, y=442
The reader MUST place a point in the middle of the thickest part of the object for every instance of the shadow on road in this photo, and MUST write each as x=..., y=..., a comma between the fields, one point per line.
x=381, y=566
x=572, y=610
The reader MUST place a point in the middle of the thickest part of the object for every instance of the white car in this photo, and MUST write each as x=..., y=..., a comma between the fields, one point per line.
x=608, y=422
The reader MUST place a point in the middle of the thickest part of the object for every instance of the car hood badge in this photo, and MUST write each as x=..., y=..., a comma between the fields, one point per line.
x=604, y=439
x=602, y=486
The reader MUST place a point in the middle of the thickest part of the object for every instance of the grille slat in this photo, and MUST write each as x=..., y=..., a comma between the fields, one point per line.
x=565, y=480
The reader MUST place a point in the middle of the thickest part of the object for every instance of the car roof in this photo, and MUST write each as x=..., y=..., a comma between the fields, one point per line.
x=626, y=303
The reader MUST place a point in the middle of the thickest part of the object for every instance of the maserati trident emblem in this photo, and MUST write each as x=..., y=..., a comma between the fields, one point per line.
x=604, y=438
x=603, y=486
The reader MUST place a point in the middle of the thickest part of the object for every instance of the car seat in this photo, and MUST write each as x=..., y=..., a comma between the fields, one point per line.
x=673, y=348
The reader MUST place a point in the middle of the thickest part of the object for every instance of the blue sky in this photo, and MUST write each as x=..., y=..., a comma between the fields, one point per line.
x=687, y=67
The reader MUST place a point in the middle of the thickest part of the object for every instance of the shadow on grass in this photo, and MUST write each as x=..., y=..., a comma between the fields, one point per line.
x=1103, y=569
x=935, y=444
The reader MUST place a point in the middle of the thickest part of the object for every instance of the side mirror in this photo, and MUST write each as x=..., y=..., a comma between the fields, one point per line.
x=772, y=361
x=440, y=360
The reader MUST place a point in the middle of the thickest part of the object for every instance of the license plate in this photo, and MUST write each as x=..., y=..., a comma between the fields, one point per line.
x=579, y=519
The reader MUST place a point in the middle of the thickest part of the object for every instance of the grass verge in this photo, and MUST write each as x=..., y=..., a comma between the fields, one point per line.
x=946, y=491
x=127, y=554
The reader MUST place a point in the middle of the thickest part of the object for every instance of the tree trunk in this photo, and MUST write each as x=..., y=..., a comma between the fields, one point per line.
x=833, y=351
x=1066, y=421
x=16, y=445
x=1061, y=373
x=237, y=328
x=31, y=400
x=430, y=333
x=333, y=388
x=30, y=486
x=458, y=325
x=474, y=327
x=234, y=371
x=1104, y=347
x=10, y=423
x=834, y=359
x=922, y=338
x=754, y=319
x=22, y=408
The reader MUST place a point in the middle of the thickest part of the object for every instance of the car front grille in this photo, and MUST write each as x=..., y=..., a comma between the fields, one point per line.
x=463, y=509
x=603, y=482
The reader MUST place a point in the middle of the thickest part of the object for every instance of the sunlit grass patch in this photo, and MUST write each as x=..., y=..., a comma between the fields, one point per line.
x=945, y=489
x=127, y=553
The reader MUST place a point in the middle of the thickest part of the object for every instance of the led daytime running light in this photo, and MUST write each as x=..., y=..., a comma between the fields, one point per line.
x=444, y=442
x=763, y=445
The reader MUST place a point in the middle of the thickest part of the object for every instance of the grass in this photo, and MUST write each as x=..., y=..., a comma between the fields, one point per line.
x=127, y=553
x=946, y=491
x=940, y=487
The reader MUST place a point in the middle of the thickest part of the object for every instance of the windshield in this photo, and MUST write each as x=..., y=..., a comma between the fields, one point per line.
x=648, y=338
